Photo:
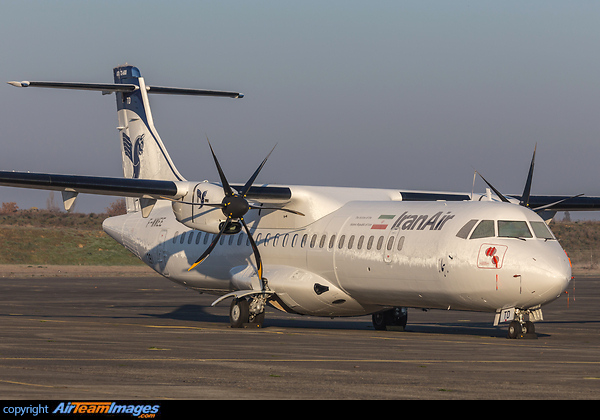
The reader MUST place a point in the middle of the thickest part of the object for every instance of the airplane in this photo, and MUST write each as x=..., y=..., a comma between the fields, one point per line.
x=315, y=250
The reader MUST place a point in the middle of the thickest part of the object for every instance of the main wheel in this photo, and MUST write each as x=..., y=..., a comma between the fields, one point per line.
x=258, y=320
x=529, y=328
x=239, y=313
x=379, y=321
x=514, y=329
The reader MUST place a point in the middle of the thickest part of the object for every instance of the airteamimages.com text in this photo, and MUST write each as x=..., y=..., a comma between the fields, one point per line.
x=90, y=407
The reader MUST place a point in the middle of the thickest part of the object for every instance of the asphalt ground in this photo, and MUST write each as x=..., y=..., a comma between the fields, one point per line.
x=65, y=338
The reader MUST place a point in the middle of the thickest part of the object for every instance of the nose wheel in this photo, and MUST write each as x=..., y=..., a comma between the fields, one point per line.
x=519, y=328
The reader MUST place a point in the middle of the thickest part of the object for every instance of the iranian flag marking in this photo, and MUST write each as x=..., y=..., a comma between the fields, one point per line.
x=382, y=221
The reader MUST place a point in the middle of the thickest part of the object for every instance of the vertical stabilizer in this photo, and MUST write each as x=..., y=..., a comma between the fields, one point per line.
x=143, y=152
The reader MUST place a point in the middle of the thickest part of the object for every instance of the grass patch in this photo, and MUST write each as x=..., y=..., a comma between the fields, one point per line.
x=54, y=238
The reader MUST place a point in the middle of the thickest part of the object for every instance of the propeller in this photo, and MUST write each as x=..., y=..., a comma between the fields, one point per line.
x=235, y=206
x=524, y=201
x=527, y=190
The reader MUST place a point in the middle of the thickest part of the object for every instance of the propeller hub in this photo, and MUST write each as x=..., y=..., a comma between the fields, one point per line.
x=235, y=206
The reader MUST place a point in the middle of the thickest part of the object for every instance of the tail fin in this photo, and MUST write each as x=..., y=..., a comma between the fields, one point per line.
x=143, y=152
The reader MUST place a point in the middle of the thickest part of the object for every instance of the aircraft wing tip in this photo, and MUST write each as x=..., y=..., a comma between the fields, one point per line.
x=19, y=84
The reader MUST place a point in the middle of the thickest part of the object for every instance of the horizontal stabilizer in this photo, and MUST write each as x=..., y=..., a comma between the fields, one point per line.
x=192, y=92
x=102, y=87
x=107, y=88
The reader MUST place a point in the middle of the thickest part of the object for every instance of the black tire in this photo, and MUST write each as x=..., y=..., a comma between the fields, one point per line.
x=529, y=328
x=239, y=313
x=258, y=320
x=380, y=320
x=514, y=330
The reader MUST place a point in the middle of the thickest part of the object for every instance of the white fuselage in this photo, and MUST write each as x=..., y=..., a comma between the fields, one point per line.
x=364, y=257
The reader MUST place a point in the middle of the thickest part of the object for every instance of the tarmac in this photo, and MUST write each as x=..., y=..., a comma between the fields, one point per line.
x=138, y=336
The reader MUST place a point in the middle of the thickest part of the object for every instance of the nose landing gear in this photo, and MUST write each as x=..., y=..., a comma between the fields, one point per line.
x=519, y=328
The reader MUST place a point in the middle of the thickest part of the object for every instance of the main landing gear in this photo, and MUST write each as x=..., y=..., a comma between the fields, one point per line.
x=395, y=317
x=244, y=312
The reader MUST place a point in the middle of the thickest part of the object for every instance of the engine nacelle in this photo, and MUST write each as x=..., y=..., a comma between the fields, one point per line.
x=198, y=215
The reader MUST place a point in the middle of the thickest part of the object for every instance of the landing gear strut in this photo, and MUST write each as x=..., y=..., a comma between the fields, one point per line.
x=395, y=317
x=243, y=312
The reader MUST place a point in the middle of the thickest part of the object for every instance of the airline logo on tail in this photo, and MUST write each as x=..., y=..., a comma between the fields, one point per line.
x=134, y=152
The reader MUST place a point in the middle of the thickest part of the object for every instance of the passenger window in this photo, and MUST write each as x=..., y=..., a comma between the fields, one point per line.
x=198, y=236
x=513, y=229
x=267, y=239
x=182, y=239
x=390, y=243
x=332, y=241
x=240, y=239
x=466, y=229
x=191, y=238
x=222, y=239
x=285, y=240
x=351, y=242
x=304, y=238
x=360, y=242
x=275, y=239
x=258, y=238
x=379, y=243
x=541, y=230
x=341, y=243
x=322, y=242
x=175, y=237
x=370, y=242
x=231, y=239
x=485, y=229
x=401, y=243
x=294, y=240
x=313, y=240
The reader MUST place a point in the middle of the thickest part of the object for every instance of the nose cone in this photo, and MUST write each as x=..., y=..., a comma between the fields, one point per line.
x=547, y=275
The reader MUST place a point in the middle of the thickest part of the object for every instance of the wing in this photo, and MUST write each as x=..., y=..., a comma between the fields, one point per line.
x=125, y=187
x=563, y=202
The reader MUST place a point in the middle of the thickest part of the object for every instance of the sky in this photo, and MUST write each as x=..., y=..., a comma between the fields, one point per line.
x=386, y=94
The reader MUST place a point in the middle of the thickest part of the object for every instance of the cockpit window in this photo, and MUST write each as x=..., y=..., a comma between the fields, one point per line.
x=541, y=230
x=513, y=229
x=466, y=229
x=485, y=229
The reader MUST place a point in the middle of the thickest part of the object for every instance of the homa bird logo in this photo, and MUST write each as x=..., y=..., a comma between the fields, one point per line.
x=134, y=152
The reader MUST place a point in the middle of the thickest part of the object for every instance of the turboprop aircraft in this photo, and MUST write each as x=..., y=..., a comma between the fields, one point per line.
x=320, y=251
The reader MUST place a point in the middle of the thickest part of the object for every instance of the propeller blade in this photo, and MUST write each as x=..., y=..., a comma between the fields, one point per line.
x=259, y=266
x=276, y=208
x=498, y=193
x=547, y=206
x=255, y=174
x=526, y=192
x=211, y=246
x=226, y=187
